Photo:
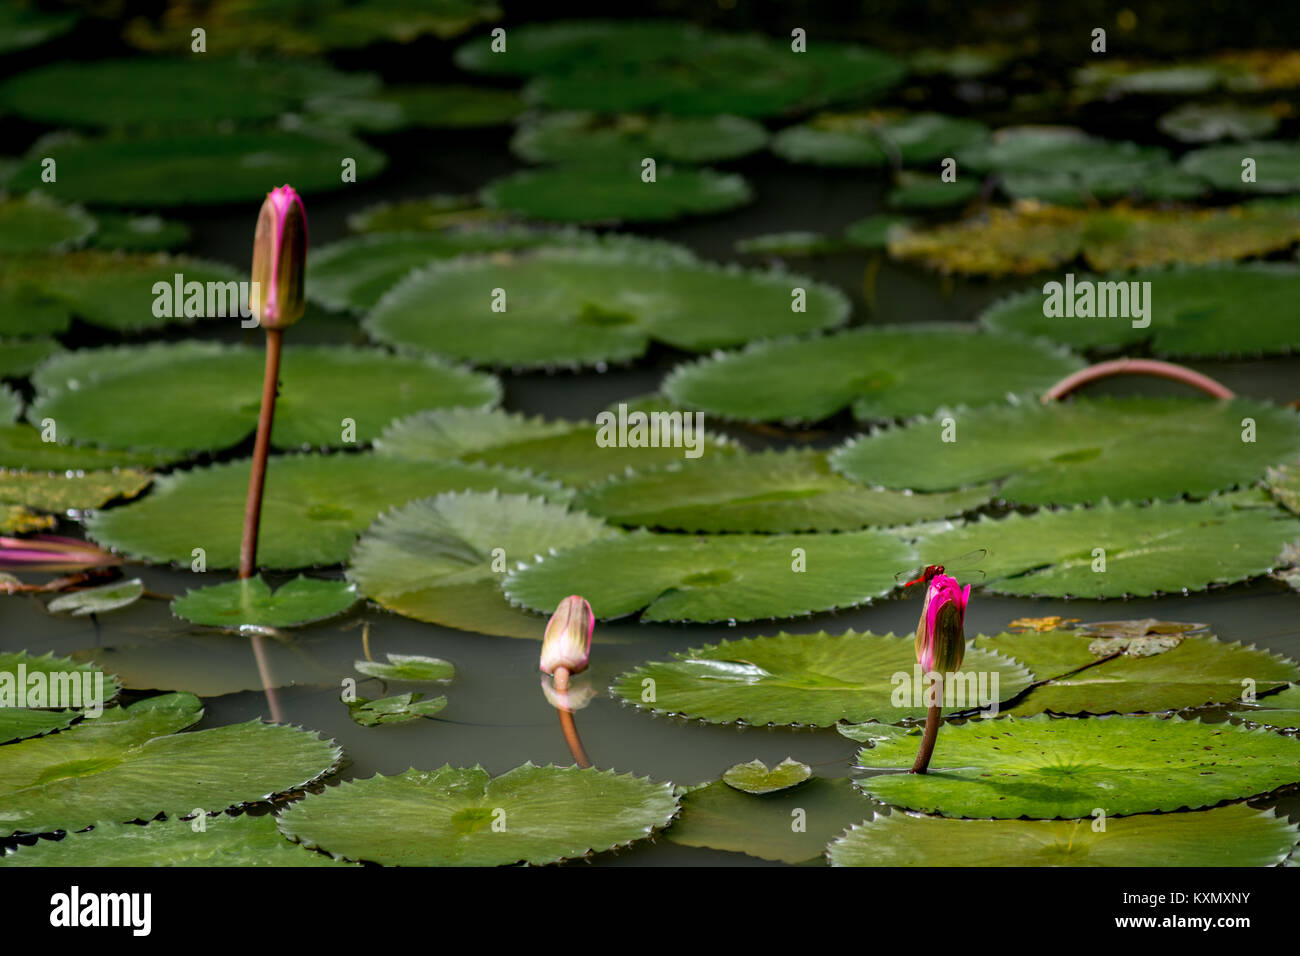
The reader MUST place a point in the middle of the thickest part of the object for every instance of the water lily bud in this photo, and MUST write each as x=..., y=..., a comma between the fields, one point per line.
x=567, y=642
x=279, y=260
x=48, y=552
x=940, y=634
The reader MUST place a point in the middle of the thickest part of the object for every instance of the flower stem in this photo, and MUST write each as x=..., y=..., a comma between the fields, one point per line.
x=933, y=718
x=1127, y=366
x=567, y=723
x=261, y=447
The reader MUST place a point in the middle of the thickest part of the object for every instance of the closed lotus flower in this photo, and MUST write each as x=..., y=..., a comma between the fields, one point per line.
x=567, y=644
x=940, y=634
x=279, y=260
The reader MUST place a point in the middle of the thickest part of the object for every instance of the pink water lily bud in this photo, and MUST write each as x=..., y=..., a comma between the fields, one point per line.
x=279, y=260
x=49, y=552
x=940, y=634
x=567, y=642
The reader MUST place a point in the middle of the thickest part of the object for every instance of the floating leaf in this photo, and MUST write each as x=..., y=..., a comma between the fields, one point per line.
x=170, y=91
x=70, y=491
x=928, y=191
x=313, y=507
x=393, y=710
x=177, y=169
x=427, y=214
x=442, y=559
x=794, y=490
x=251, y=602
x=1127, y=449
x=197, y=396
x=19, y=356
x=615, y=192
x=720, y=818
x=98, y=600
x=1047, y=767
x=22, y=446
x=86, y=687
x=874, y=232
x=11, y=403
x=1281, y=710
x=1226, y=836
x=408, y=667
x=591, y=139
x=793, y=244
x=882, y=371
x=131, y=763
x=453, y=106
x=445, y=817
x=37, y=223
x=755, y=777
x=1117, y=78
x=1277, y=166
x=1198, y=670
x=1207, y=122
x=1284, y=485
x=139, y=233
x=243, y=840
x=1168, y=547
x=808, y=679
x=22, y=26
x=17, y=519
x=876, y=139
x=721, y=578
x=569, y=307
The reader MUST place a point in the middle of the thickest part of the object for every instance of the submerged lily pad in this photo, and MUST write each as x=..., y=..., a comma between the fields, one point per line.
x=720, y=578
x=98, y=600
x=882, y=371
x=131, y=763
x=1198, y=670
x=464, y=817
x=1277, y=166
x=86, y=686
x=198, y=396
x=756, y=777
x=178, y=169
x=591, y=139
x=1045, y=767
x=442, y=559
x=394, y=710
x=222, y=840
x=70, y=491
x=615, y=192
x=876, y=139
x=252, y=602
x=807, y=679
x=569, y=307
x=1124, y=449
x=1226, y=836
x=793, y=490
x=1280, y=710
x=1207, y=122
x=1124, y=550
x=37, y=223
x=573, y=452
x=313, y=507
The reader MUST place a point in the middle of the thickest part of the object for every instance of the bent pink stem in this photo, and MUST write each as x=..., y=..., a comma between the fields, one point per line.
x=1127, y=366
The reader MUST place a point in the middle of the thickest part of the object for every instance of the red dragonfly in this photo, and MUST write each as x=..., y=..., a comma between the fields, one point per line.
x=962, y=568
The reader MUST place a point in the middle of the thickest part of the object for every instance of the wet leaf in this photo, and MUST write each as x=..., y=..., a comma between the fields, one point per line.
x=1280, y=710
x=98, y=600
x=755, y=777
x=408, y=667
x=393, y=710
x=251, y=601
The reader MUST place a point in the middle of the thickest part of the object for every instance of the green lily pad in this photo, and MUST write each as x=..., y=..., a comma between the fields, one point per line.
x=808, y=679
x=86, y=686
x=615, y=193
x=170, y=91
x=453, y=106
x=1167, y=547
x=1193, y=312
x=1281, y=710
x=394, y=710
x=797, y=243
x=1122, y=77
x=446, y=817
x=1048, y=768
x=22, y=446
x=98, y=600
x=132, y=763
x=313, y=507
x=1284, y=485
x=1198, y=670
x=70, y=491
x=222, y=840
x=11, y=403
x=19, y=356
x=927, y=191
x=793, y=490
x=178, y=169
x=789, y=826
x=566, y=451
x=442, y=559
x=1226, y=836
x=874, y=232
x=23, y=26
x=39, y=295
x=591, y=139
x=721, y=578
x=251, y=602
x=134, y=233
x=1207, y=122
x=1277, y=166
x=198, y=396
x=756, y=777
x=408, y=667
x=876, y=139
x=441, y=211
x=571, y=307
x=1127, y=449
x=37, y=223
x=882, y=371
